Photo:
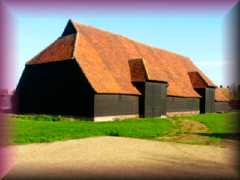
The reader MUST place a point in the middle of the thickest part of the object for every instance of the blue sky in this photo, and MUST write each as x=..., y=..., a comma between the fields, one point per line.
x=200, y=37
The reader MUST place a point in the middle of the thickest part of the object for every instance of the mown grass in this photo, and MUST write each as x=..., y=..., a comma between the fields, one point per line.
x=220, y=126
x=43, y=128
x=30, y=129
x=219, y=123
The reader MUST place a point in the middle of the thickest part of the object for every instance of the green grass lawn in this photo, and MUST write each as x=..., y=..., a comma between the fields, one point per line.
x=42, y=128
x=218, y=127
x=219, y=123
x=29, y=129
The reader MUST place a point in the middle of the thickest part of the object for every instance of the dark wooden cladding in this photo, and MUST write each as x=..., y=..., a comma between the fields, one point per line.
x=115, y=104
x=61, y=88
x=222, y=106
x=141, y=87
x=207, y=101
x=69, y=29
x=55, y=88
x=181, y=104
x=155, y=98
x=210, y=99
x=152, y=102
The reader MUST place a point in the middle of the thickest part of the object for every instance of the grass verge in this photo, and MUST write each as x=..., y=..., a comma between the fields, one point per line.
x=35, y=128
x=196, y=129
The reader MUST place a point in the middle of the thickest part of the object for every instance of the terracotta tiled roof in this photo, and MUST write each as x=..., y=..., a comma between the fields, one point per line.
x=228, y=93
x=137, y=70
x=61, y=49
x=220, y=94
x=104, y=58
x=96, y=71
x=197, y=80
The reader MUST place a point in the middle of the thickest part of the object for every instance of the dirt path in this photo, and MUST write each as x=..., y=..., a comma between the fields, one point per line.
x=108, y=157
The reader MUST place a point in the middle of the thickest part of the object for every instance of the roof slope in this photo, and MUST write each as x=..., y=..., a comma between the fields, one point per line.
x=222, y=94
x=61, y=49
x=104, y=59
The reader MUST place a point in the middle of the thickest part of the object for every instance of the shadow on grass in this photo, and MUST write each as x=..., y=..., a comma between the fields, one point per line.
x=231, y=136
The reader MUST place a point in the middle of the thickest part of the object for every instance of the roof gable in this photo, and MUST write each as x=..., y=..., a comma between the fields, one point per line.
x=197, y=80
x=137, y=70
x=69, y=29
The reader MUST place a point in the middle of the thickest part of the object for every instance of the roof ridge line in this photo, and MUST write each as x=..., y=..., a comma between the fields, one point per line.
x=75, y=57
x=135, y=41
x=75, y=43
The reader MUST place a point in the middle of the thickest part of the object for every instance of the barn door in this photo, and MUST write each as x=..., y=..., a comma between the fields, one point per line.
x=209, y=100
x=155, y=99
x=158, y=99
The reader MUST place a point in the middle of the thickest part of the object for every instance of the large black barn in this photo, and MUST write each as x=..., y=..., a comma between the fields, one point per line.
x=99, y=75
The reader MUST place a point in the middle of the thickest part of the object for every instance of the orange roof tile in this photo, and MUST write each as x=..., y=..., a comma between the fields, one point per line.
x=61, y=49
x=197, y=80
x=137, y=70
x=98, y=74
x=220, y=96
x=104, y=58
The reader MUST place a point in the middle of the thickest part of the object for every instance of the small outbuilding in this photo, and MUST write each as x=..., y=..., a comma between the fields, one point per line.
x=99, y=75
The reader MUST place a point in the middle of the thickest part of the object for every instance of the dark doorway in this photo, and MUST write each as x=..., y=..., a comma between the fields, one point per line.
x=207, y=101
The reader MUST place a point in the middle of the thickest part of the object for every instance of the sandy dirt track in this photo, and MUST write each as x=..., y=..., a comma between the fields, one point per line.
x=121, y=158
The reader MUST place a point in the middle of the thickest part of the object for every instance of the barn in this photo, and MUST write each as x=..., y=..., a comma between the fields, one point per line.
x=92, y=73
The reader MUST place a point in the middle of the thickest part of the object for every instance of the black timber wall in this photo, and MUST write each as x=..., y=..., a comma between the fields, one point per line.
x=152, y=102
x=55, y=88
x=207, y=101
x=115, y=104
x=182, y=104
x=222, y=106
